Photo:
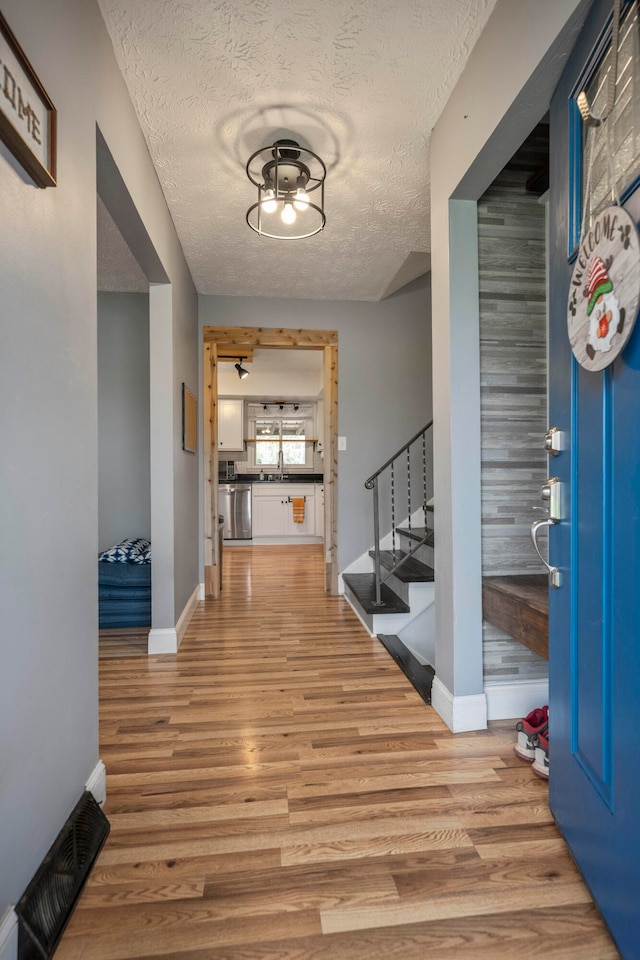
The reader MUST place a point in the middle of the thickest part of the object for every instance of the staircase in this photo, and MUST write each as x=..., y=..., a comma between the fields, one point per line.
x=391, y=589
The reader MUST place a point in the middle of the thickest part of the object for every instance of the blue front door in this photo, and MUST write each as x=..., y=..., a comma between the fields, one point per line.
x=594, y=616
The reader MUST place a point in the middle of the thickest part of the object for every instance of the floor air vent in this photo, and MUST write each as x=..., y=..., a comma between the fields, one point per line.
x=47, y=904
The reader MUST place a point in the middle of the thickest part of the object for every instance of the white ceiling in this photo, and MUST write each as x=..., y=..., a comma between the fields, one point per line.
x=360, y=82
x=274, y=373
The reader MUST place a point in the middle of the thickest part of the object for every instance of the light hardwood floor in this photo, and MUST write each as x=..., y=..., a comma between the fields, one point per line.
x=278, y=791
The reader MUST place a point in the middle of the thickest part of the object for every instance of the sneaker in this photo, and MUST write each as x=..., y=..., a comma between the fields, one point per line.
x=528, y=729
x=541, y=760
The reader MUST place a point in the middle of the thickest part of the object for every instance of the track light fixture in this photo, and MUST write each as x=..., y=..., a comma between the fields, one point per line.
x=242, y=373
x=281, y=404
x=290, y=179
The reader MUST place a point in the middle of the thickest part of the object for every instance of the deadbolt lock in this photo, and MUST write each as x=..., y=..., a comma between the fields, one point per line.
x=553, y=441
x=550, y=494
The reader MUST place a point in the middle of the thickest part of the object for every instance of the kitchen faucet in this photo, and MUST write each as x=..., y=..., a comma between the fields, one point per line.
x=281, y=463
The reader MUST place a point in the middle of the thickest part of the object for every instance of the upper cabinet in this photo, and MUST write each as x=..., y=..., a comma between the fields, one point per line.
x=230, y=425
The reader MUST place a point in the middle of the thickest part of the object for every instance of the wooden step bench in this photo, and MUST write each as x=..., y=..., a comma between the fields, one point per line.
x=519, y=606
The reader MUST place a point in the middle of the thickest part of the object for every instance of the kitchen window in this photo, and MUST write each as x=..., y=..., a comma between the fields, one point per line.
x=280, y=439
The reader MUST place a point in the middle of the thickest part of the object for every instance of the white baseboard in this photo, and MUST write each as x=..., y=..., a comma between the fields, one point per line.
x=162, y=641
x=284, y=541
x=9, y=935
x=201, y=594
x=97, y=783
x=511, y=701
x=168, y=639
x=187, y=613
x=459, y=713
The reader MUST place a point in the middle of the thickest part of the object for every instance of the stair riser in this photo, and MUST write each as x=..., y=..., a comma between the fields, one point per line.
x=425, y=553
x=421, y=598
x=377, y=623
x=402, y=589
x=411, y=593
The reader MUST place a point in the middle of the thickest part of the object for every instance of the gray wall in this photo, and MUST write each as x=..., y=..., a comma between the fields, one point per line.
x=513, y=360
x=502, y=93
x=384, y=382
x=513, y=391
x=48, y=417
x=124, y=489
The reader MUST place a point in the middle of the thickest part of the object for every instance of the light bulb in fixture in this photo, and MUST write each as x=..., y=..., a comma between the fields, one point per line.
x=288, y=214
x=302, y=199
x=293, y=173
x=269, y=204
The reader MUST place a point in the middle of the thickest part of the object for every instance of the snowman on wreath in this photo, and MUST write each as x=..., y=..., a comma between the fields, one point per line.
x=606, y=318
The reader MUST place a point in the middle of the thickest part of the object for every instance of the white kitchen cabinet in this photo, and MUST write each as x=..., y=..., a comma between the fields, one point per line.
x=273, y=510
x=230, y=425
x=268, y=516
x=308, y=526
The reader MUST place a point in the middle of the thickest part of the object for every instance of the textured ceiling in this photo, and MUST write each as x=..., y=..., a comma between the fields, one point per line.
x=360, y=82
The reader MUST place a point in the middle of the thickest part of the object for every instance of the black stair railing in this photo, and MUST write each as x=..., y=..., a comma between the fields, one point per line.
x=393, y=486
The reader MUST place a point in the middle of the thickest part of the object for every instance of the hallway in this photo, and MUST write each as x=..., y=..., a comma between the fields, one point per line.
x=279, y=791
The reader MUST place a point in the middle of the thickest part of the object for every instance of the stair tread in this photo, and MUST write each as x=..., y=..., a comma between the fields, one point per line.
x=417, y=533
x=411, y=571
x=363, y=587
x=420, y=675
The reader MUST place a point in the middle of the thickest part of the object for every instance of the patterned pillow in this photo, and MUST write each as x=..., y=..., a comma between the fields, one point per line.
x=127, y=551
x=144, y=556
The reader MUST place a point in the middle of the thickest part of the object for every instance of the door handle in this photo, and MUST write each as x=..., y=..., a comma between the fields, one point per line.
x=553, y=572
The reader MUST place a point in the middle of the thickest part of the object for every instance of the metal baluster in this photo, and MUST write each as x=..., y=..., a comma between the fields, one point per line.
x=424, y=476
x=409, y=485
x=376, y=541
x=393, y=511
x=372, y=484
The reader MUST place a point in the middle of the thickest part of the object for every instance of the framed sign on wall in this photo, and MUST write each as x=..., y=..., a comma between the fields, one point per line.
x=27, y=115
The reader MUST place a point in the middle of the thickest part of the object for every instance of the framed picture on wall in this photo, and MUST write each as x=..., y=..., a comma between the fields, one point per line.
x=189, y=421
x=27, y=115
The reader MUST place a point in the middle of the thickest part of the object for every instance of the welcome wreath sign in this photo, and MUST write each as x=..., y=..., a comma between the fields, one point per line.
x=605, y=289
x=27, y=115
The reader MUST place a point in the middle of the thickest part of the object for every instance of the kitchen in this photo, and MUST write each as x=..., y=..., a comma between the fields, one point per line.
x=270, y=415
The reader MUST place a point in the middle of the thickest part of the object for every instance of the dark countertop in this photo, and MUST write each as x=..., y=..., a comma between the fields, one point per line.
x=288, y=478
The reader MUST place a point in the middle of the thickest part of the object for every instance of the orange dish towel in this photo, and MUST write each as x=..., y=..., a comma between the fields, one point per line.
x=298, y=509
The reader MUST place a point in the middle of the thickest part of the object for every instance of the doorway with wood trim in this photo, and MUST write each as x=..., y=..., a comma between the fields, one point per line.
x=223, y=342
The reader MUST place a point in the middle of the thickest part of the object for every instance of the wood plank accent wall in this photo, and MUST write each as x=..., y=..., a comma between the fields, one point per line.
x=513, y=385
x=513, y=391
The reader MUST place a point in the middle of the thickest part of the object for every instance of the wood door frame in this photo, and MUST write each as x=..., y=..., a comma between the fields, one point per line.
x=275, y=339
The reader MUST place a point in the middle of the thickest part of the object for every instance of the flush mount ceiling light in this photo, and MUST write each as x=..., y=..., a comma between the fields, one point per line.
x=290, y=181
x=242, y=373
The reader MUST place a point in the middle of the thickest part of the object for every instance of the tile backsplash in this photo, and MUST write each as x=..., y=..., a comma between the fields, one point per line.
x=242, y=465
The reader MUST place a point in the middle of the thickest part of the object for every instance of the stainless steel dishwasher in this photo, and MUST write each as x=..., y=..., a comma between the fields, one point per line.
x=234, y=502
